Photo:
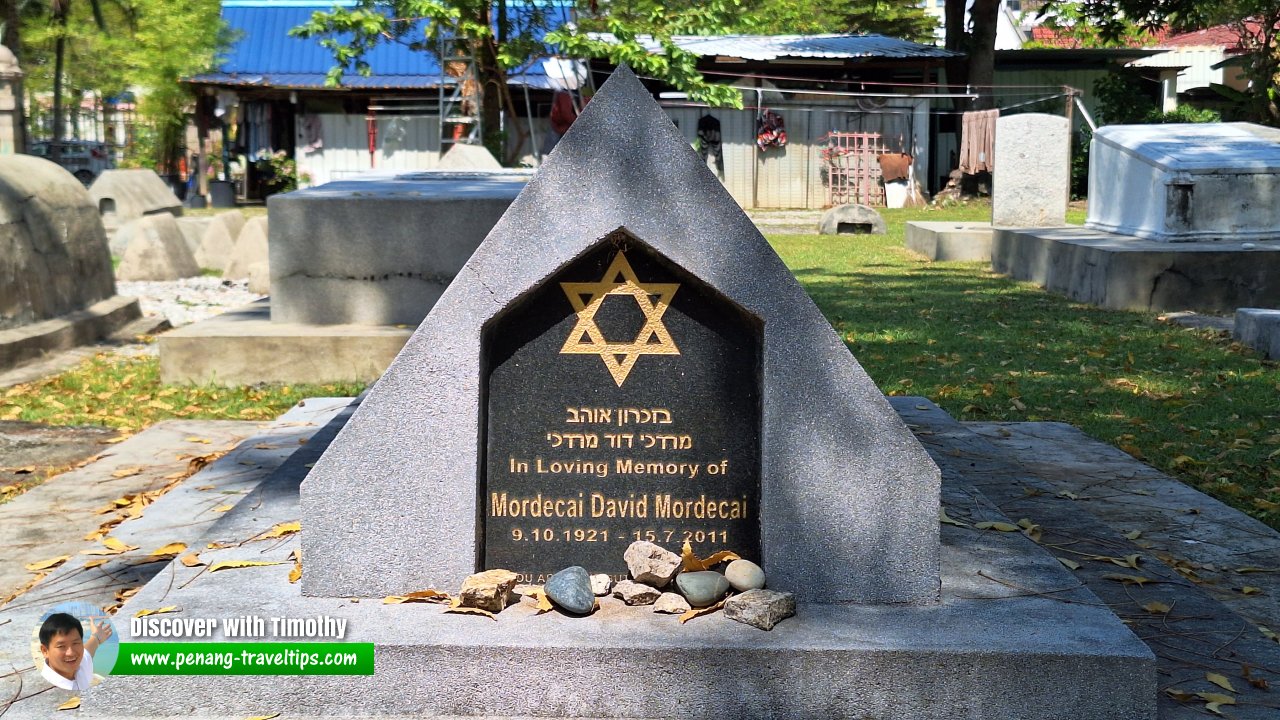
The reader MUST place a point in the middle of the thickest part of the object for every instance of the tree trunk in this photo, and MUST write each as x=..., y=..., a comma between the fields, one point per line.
x=60, y=53
x=982, y=51
x=957, y=40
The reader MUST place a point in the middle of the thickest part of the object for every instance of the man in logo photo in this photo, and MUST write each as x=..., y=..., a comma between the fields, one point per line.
x=68, y=657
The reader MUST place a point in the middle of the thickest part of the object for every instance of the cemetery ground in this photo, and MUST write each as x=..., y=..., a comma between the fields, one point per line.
x=1189, y=402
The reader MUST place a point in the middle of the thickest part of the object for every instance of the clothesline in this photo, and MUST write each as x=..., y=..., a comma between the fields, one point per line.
x=872, y=111
x=970, y=91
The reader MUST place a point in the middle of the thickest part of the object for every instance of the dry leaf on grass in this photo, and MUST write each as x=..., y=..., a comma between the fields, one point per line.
x=699, y=612
x=456, y=607
x=233, y=564
x=421, y=596
x=47, y=564
x=692, y=563
x=71, y=704
x=159, y=611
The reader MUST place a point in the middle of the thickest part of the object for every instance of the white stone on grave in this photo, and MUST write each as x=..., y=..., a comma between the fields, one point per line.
x=1184, y=183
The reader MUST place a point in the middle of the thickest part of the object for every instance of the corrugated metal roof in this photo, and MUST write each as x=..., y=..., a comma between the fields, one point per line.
x=266, y=56
x=773, y=47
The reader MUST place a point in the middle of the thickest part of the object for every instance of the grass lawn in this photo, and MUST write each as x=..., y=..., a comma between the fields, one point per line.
x=984, y=347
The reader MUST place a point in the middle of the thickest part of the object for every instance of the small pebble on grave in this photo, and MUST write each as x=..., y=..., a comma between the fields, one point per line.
x=490, y=590
x=671, y=603
x=601, y=585
x=570, y=590
x=702, y=588
x=651, y=564
x=744, y=575
x=760, y=608
x=634, y=593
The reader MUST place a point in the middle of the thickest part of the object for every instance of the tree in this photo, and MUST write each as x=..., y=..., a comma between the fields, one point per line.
x=977, y=40
x=1255, y=22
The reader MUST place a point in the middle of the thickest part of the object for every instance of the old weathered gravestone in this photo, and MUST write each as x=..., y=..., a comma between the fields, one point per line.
x=1032, y=176
x=618, y=363
x=156, y=250
x=124, y=195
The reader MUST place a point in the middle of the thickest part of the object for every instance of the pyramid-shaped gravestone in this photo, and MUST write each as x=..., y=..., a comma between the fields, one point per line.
x=624, y=357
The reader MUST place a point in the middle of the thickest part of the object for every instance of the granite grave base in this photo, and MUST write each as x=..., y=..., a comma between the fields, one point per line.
x=1033, y=644
x=1122, y=272
x=945, y=241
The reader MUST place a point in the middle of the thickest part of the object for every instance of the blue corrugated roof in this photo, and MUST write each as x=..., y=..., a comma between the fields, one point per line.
x=265, y=55
x=773, y=47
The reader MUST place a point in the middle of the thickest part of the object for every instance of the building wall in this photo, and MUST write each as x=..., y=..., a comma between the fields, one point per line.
x=408, y=142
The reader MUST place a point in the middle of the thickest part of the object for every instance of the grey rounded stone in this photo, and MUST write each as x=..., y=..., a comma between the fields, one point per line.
x=702, y=588
x=852, y=219
x=570, y=590
x=744, y=575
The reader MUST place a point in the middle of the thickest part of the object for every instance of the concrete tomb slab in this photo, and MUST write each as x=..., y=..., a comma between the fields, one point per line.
x=335, y=258
x=852, y=219
x=251, y=248
x=943, y=241
x=156, y=250
x=1185, y=183
x=1259, y=328
x=192, y=228
x=56, y=284
x=124, y=195
x=1031, y=182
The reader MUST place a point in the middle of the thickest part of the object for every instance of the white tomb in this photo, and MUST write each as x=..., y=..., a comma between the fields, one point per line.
x=1183, y=183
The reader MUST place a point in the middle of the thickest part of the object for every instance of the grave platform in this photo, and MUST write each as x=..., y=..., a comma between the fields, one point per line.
x=244, y=347
x=81, y=327
x=1122, y=272
x=1014, y=636
x=964, y=241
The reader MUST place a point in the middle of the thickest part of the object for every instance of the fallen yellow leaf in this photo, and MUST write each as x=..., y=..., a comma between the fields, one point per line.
x=946, y=519
x=280, y=530
x=1219, y=680
x=127, y=472
x=456, y=607
x=233, y=564
x=191, y=560
x=1133, y=534
x=295, y=574
x=264, y=717
x=111, y=546
x=1127, y=579
x=202, y=441
x=223, y=508
x=1072, y=564
x=47, y=564
x=1156, y=607
x=96, y=563
x=161, y=611
x=542, y=602
x=71, y=704
x=423, y=596
x=170, y=549
x=1250, y=590
x=1219, y=698
x=692, y=563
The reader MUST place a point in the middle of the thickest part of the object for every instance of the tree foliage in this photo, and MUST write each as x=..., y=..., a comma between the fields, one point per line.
x=1255, y=22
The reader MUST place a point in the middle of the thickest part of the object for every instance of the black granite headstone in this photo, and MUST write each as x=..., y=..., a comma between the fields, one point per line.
x=623, y=404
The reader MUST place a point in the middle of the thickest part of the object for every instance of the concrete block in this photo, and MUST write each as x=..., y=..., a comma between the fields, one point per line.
x=964, y=241
x=53, y=251
x=1127, y=273
x=1031, y=182
x=124, y=195
x=335, y=259
x=468, y=157
x=1259, y=328
x=78, y=327
x=852, y=220
x=156, y=251
x=244, y=347
x=848, y=498
x=250, y=248
x=218, y=241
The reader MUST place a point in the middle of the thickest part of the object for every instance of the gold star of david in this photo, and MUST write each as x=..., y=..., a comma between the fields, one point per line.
x=586, y=338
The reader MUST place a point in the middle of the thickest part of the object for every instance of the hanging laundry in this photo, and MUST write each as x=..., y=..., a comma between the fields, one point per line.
x=709, y=139
x=977, y=141
x=771, y=131
x=894, y=166
x=562, y=112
